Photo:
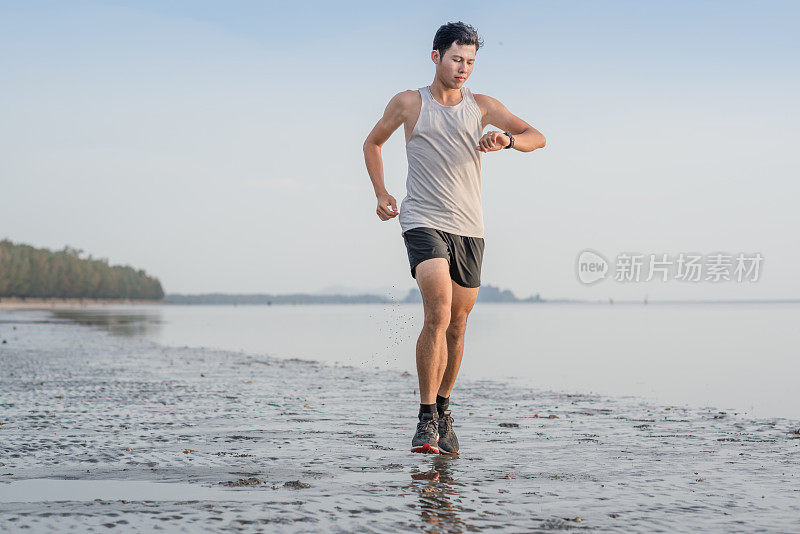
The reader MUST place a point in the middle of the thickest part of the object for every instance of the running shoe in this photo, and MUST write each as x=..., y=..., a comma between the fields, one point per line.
x=448, y=442
x=427, y=437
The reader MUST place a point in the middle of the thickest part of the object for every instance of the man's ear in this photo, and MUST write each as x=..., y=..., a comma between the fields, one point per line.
x=435, y=56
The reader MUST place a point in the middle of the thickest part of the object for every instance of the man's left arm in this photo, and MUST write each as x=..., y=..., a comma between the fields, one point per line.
x=526, y=137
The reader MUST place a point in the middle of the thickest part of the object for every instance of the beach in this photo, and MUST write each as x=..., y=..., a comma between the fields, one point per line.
x=102, y=431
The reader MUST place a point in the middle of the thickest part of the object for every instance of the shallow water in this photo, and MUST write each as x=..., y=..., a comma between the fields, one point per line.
x=48, y=489
x=740, y=357
x=308, y=446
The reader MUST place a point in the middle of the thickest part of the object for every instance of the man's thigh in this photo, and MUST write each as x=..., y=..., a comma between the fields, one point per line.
x=463, y=300
x=448, y=263
x=424, y=243
x=433, y=279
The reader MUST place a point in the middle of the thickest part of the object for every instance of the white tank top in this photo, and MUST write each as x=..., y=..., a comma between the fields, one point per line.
x=443, y=186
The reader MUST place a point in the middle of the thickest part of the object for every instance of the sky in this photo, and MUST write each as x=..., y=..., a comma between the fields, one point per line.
x=218, y=145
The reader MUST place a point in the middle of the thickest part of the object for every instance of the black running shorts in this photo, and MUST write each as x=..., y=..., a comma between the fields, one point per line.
x=465, y=254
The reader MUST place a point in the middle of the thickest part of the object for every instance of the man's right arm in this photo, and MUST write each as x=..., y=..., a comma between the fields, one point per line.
x=393, y=117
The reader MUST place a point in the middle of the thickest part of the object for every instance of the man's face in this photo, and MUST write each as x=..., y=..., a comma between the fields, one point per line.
x=456, y=65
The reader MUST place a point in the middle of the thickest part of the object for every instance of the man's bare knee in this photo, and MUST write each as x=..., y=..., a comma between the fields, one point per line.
x=437, y=316
x=457, y=326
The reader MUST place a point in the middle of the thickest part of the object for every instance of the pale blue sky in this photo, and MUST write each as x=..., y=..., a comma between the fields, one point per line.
x=218, y=144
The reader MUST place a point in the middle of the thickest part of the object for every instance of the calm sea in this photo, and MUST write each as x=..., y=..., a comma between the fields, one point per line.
x=738, y=357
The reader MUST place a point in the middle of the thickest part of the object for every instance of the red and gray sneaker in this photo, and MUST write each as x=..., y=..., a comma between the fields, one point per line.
x=427, y=437
x=448, y=442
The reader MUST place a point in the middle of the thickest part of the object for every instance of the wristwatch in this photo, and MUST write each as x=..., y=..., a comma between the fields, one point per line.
x=511, y=144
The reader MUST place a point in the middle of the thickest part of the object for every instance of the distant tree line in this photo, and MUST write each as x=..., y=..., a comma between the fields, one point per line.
x=26, y=271
x=487, y=293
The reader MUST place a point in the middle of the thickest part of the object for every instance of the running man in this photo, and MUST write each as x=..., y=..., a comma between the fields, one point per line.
x=441, y=217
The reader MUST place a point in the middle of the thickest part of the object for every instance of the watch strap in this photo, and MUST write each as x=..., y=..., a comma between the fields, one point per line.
x=511, y=144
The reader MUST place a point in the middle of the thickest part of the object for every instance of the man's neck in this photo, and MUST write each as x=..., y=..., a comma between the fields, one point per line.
x=445, y=95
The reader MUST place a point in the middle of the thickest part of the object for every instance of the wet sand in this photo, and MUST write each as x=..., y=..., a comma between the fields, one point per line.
x=102, y=431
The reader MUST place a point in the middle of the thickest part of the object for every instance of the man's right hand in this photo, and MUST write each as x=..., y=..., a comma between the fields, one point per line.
x=387, y=207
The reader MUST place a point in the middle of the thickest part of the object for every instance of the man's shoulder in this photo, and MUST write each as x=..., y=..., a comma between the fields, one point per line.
x=409, y=97
x=409, y=93
x=484, y=102
x=406, y=102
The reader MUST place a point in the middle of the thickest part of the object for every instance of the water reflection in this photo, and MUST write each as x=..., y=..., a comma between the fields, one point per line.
x=440, y=496
x=121, y=322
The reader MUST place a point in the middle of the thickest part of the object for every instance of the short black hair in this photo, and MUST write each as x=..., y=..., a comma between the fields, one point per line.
x=457, y=32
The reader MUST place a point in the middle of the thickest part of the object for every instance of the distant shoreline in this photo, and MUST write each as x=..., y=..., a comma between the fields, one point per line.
x=17, y=303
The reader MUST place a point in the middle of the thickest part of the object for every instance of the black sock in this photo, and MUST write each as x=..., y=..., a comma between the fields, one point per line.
x=442, y=404
x=426, y=408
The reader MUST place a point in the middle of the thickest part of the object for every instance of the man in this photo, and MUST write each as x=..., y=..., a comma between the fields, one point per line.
x=441, y=216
